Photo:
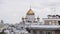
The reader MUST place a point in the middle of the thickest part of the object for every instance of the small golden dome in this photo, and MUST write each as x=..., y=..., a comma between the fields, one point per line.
x=30, y=12
x=23, y=17
x=38, y=17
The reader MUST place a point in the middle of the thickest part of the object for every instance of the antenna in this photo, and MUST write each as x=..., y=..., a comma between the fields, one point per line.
x=53, y=10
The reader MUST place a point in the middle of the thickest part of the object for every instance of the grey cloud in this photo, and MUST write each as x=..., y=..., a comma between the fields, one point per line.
x=11, y=11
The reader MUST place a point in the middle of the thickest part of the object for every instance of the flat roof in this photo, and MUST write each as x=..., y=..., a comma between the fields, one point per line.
x=45, y=27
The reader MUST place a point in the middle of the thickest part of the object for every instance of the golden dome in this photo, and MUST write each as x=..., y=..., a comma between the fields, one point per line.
x=30, y=12
x=23, y=17
x=38, y=17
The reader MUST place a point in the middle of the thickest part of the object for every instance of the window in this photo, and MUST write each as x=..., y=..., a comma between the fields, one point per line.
x=59, y=22
x=48, y=33
x=41, y=32
x=29, y=21
x=34, y=32
x=50, y=23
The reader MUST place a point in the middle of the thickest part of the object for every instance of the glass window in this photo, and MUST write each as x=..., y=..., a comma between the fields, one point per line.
x=41, y=32
x=34, y=32
x=50, y=23
x=48, y=33
x=59, y=22
x=29, y=21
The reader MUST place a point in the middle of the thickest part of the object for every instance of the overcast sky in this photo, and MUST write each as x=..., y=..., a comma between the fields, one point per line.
x=11, y=11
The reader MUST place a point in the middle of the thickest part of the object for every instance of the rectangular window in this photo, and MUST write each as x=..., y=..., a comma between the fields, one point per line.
x=34, y=32
x=41, y=32
x=29, y=21
x=48, y=32
x=59, y=22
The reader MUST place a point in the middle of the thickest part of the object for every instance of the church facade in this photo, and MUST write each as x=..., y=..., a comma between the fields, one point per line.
x=50, y=25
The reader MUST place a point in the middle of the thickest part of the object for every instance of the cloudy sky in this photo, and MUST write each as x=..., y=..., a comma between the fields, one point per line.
x=11, y=11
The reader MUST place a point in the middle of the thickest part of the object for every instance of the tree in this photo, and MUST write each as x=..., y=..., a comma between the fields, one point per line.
x=28, y=30
x=2, y=33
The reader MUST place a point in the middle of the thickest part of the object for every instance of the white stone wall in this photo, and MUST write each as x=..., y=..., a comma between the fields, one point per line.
x=30, y=17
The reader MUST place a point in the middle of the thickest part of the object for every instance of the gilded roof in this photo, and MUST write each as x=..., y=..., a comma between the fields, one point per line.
x=30, y=12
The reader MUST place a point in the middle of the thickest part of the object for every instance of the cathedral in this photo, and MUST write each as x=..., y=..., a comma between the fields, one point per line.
x=32, y=25
x=51, y=24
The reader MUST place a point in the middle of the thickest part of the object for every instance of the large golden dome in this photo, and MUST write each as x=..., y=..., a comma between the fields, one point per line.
x=30, y=12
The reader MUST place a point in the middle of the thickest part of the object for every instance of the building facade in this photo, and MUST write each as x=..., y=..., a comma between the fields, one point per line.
x=51, y=24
